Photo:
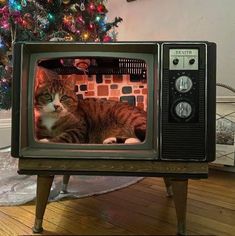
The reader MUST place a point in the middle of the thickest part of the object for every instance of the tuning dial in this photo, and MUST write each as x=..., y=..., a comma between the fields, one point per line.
x=183, y=84
x=183, y=110
x=176, y=61
x=191, y=61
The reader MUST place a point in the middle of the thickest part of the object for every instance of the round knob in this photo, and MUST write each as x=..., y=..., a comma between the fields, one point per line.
x=192, y=61
x=176, y=61
x=183, y=84
x=183, y=110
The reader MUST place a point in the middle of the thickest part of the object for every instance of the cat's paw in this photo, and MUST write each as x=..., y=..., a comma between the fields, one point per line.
x=44, y=140
x=110, y=140
x=132, y=141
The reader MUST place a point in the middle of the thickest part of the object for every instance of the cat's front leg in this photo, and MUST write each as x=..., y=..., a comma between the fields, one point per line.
x=44, y=140
x=70, y=136
x=132, y=141
x=110, y=140
x=123, y=140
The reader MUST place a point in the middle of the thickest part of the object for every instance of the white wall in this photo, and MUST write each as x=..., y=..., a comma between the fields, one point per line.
x=210, y=20
x=5, y=128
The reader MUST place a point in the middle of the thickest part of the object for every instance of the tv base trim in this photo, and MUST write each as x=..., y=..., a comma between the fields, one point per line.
x=172, y=169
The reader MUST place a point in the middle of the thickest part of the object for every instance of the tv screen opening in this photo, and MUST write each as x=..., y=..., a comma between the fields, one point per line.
x=90, y=100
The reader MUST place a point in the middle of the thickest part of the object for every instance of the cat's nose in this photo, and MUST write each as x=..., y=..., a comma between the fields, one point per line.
x=56, y=107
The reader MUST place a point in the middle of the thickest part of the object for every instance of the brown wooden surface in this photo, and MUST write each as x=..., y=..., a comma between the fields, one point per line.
x=142, y=208
x=37, y=166
x=180, y=191
x=43, y=190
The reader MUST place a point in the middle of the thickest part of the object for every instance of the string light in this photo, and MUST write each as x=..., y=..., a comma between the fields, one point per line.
x=85, y=36
x=92, y=6
x=91, y=26
x=1, y=43
x=50, y=16
x=80, y=20
x=97, y=18
x=15, y=5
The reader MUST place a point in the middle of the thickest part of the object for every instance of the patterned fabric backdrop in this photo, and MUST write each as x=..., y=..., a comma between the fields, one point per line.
x=125, y=88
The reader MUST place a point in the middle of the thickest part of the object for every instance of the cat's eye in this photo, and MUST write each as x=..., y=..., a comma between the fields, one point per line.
x=48, y=97
x=64, y=98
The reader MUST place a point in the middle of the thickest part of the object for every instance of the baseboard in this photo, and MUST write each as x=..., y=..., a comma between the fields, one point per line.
x=5, y=123
x=5, y=132
x=222, y=167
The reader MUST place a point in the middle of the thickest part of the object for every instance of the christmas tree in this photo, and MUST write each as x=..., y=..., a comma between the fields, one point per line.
x=48, y=20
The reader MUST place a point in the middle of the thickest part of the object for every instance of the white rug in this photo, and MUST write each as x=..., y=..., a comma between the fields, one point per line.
x=19, y=189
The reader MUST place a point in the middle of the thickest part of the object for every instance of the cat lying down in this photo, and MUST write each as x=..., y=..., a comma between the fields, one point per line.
x=61, y=117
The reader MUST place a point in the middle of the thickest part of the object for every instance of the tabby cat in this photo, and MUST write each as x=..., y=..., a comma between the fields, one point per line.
x=61, y=117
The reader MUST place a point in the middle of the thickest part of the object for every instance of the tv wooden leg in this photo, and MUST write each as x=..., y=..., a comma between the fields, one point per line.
x=65, y=184
x=168, y=185
x=180, y=189
x=43, y=190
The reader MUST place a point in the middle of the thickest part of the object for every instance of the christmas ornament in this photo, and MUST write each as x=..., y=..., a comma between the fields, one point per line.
x=114, y=35
x=66, y=2
x=68, y=38
x=74, y=8
x=56, y=39
x=4, y=11
x=101, y=8
x=68, y=20
x=107, y=38
x=28, y=21
x=23, y=3
x=82, y=6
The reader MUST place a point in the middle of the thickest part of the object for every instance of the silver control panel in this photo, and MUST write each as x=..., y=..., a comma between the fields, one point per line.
x=183, y=73
x=183, y=59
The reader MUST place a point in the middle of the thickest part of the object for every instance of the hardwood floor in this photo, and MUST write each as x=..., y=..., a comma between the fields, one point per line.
x=140, y=209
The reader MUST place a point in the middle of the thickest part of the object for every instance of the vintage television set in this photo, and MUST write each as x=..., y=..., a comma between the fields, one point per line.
x=172, y=83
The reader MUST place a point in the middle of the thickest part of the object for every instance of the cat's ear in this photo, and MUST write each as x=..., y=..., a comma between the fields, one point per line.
x=70, y=80
x=44, y=75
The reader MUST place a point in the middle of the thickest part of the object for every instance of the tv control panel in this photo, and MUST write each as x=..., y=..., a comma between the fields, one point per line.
x=183, y=100
x=183, y=84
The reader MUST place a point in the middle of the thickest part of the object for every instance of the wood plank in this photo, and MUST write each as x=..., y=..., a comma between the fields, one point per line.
x=10, y=226
x=125, y=217
x=82, y=223
x=26, y=218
